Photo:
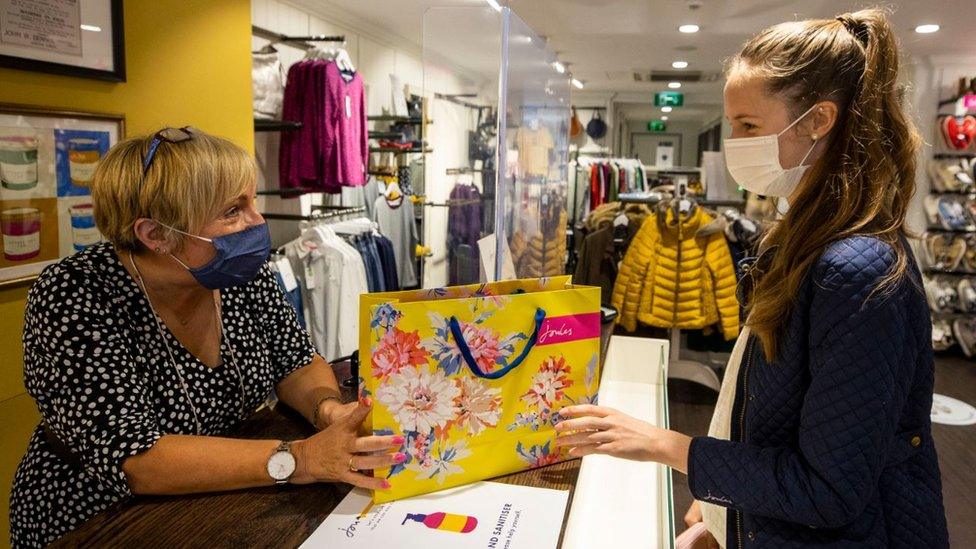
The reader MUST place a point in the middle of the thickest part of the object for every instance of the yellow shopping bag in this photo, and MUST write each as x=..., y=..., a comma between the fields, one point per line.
x=472, y=376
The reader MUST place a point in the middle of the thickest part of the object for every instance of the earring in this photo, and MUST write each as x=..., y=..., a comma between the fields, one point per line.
x=159, y=250
x=814, y=137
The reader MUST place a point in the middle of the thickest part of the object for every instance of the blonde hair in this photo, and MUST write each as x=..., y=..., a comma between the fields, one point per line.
x=863, y=182
x=185, y=187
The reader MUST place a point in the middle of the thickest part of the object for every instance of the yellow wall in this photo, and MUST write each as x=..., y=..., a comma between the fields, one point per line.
x=188, y=63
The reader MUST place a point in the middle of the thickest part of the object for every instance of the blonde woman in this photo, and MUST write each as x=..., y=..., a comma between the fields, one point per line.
x=821, y=435
x=143, y=352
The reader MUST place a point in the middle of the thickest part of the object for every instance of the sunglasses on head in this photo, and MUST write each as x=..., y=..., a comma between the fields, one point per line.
x=166, y=135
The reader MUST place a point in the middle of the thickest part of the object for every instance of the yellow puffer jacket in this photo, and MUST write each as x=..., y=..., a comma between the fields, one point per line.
x=675, y=277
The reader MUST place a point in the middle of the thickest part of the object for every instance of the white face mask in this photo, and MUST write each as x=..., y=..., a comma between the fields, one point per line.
x=754, y=164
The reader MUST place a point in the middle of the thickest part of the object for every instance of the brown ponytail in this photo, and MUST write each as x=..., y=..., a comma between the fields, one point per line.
x=863, y=182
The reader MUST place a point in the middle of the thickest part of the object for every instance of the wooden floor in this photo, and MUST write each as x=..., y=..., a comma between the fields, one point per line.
x=691, y=411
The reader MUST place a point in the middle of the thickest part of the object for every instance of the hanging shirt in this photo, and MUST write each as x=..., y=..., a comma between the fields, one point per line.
x=334, y=276
x=534, y=148
x=331, y=149
x=399, y=225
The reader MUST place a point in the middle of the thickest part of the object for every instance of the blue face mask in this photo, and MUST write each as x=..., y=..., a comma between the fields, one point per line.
x=239, y=257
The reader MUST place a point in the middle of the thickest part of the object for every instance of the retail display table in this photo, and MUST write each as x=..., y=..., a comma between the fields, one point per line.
x=285, y=516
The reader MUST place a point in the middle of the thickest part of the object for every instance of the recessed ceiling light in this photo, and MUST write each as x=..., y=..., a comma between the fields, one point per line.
x=494, y=4
x=666, y=109
x=688, y=29
x=927, y=29
x=560, y=68
x=665, y=118
x=674, y=85
x=680, y=64
x=578, y=84
x=91, y=28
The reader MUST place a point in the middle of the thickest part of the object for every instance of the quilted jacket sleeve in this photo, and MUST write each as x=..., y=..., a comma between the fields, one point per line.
x=860, y=380
x=720, y=266
x=630, y=280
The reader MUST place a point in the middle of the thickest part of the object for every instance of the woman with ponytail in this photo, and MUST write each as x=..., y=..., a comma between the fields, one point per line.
x=821, y=435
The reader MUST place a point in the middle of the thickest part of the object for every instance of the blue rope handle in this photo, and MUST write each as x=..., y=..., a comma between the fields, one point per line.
x=455, y=326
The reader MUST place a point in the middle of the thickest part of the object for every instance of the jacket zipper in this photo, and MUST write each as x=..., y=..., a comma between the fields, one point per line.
x=742, y=424
x=677, y=277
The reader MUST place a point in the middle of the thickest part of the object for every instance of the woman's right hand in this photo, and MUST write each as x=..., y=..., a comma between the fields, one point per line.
x=338, y=454
x=694, y=516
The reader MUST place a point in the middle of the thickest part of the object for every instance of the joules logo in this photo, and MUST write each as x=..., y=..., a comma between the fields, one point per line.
x=562, y=329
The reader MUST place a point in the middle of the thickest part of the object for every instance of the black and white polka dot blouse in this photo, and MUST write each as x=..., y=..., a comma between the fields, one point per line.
x=96, y=365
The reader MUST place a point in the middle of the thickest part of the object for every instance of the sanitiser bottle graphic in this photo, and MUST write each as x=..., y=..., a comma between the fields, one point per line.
x=448, y=522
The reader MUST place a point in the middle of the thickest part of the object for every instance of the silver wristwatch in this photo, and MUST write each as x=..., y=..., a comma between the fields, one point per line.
x=281, y=464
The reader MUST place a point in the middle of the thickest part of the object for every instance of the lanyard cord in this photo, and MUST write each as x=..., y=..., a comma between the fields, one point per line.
x=169, y=351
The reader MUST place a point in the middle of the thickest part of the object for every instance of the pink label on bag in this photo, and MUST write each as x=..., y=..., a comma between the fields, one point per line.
x=562, y=329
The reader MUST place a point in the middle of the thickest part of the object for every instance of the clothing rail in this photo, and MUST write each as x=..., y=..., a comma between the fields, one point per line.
x=454, y=99
x=301, y=42
x=458, y=202
x=459, y=171
x=334, y=211
x=286, y=192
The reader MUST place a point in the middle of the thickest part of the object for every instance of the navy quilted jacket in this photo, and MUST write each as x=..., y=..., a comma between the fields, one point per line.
x=831, y=443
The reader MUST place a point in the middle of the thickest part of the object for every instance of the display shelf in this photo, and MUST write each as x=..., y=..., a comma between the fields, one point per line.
x=951, y=272
x=262, y=125
x=395, y=118
x=953, y=193
x=401, y=151
x=944, y=230
x=954, y=154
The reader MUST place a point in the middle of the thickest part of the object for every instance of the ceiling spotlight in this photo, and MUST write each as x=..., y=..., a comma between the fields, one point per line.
x=577, y=84
x=666, y=109
x=927, y=29
x=680, y=64
x=688, y=29
x=674, y=85
x=560, y=68
x=494, y=4
x=665, y=118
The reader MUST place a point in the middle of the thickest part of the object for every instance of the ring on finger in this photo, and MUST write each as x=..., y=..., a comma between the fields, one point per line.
x=351, y=466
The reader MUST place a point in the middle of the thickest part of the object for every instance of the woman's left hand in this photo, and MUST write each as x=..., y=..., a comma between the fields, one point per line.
x=589, y=429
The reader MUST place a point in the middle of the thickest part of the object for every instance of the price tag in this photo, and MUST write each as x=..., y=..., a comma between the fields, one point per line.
x=348, y=107
x=309, y=277
x=287, y=275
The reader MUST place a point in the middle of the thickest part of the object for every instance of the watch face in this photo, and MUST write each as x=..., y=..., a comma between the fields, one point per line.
x=281, y=465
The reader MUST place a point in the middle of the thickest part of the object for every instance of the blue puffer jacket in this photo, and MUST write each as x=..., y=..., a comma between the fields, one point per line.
x=831, y=443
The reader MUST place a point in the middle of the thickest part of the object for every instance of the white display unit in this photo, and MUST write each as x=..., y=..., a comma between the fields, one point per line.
x=619, y=503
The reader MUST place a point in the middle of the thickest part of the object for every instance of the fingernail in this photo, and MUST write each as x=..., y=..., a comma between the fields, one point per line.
x=386, y=485
x=367, y=402
x=399, y=458
x=399, y=440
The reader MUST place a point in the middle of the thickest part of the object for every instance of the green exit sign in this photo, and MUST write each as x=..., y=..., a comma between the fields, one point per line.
x=656, y=126
x=669, y=99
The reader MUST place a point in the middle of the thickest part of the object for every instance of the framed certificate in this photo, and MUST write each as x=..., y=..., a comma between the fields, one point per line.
x=47, y=159
x=82, y=38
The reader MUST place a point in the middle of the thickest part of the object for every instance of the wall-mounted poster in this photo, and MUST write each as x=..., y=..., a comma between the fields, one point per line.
x=47, y=159
x=71, y=37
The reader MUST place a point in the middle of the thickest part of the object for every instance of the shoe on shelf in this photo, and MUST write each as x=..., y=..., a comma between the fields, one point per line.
x=964, y=329
x=932, y=210
x=942, y=295
x=967, y=295
x=944, y=252
x=942, y=337
x=952, y=215
x=957, y=133
x=969, y=258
